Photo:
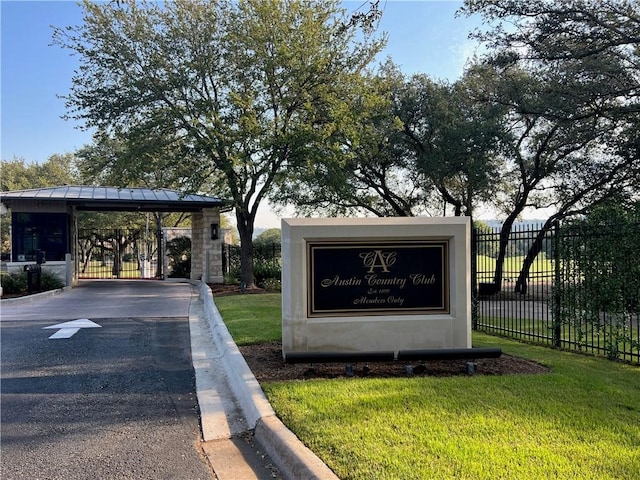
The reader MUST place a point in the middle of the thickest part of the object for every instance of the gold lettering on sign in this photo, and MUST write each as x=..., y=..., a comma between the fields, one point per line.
x=337, y=281
x=422, y=279
x=378, y=259
x=371, y=278
x=375, y=281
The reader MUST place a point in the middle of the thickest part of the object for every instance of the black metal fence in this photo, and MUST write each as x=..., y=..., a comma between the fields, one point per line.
x=269, y=254
x=562, y=286
x=569, y=287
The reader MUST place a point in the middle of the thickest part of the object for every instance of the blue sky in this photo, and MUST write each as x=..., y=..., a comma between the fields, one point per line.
x=424, y=37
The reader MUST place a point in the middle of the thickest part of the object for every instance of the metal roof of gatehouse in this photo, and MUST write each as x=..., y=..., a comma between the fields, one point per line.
x=85, y=197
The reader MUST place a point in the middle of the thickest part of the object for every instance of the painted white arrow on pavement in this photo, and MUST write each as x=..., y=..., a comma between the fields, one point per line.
x=69, y=329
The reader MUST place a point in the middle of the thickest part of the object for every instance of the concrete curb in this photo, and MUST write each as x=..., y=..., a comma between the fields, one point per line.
x=289, y=454
x=34, y=297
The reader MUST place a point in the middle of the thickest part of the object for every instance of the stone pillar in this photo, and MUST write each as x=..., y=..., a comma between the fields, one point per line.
x=212, y=261
x=197, y=246
x=206, y=252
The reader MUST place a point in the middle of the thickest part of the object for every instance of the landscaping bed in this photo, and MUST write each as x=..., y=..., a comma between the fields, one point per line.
x=266, y=363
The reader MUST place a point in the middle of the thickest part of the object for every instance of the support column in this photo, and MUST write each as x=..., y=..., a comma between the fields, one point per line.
x=212, y=242
x=197, y=246
x=73, y=262
x=206, y=252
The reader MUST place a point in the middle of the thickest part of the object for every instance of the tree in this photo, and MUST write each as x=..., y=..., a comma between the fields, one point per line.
x=17, y=174
x=268, y=237
x=456, y=141
x=363, y=168
x=245, y=85
x=568, y=73
x=410, y=147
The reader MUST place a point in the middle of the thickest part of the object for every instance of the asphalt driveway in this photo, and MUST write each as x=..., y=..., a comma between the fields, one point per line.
x=113, y=401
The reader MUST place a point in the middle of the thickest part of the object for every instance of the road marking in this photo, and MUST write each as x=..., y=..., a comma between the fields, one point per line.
x=69, y=329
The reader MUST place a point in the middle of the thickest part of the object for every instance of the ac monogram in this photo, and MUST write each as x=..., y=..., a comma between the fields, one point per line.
x=378, y=259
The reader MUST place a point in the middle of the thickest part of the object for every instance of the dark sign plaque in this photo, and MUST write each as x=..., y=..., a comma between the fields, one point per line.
x=378, y=278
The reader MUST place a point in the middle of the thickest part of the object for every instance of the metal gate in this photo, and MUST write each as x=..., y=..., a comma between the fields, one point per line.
x=117, y=253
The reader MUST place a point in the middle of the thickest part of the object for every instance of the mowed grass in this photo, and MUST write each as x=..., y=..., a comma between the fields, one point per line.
x=97, y=269
x=252, y=318
x=580, y=421
x=512, y=266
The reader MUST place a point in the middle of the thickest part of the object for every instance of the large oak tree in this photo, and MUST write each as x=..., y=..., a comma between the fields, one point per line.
x=249, y=86
x=363, y=169
x=568, y=72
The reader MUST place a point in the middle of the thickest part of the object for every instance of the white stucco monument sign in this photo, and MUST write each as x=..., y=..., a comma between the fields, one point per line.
x=375, y=284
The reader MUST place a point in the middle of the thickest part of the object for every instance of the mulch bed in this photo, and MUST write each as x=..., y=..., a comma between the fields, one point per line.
x=266, y=363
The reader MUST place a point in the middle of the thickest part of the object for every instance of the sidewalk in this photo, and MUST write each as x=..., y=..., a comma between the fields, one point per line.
x=234, y=409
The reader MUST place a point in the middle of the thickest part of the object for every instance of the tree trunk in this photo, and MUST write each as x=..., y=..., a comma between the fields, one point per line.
x=245, y=230
x=535, y=248
x=505, y=232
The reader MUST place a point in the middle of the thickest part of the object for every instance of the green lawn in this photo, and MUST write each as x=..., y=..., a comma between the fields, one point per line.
x=97, y=269
x=580, y=421
x=590, y=336
x=512, y=266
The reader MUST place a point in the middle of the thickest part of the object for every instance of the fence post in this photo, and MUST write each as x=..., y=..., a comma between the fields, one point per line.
x=557, y=282
x=474, y=278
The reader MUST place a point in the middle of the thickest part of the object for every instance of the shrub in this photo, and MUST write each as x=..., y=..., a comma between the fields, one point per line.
x=50, y=281
x=230, y=279
x=266, y=269
x=179, y=253
x=272, y=284
x=16, y=283
x=13, y=283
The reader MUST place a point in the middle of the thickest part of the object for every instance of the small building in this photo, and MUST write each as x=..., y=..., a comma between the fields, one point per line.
x=44, y=224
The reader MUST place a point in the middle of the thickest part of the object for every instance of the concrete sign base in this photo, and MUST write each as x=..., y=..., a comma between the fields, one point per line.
x=375, y=284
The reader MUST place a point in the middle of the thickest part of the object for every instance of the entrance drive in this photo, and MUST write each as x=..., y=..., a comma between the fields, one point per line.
x=97, y=382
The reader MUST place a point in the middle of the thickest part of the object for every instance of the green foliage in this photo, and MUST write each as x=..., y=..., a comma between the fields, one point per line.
x=455, y=139
x=573, y=127
x=266, y=262
x=364, y=167
x=239, y=92
x=179, y=253
x=266, y=270
x=600, y=279
x=17, y=174
x=232, y=278
x=13, y=283
x=49, y=281
x=272, y=284
x=16, y=283
x=268, y=238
